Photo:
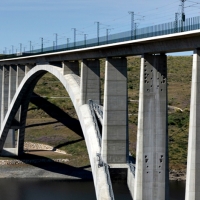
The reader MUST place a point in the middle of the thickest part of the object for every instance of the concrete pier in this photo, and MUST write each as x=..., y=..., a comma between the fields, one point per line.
x=12, y=82
x=28, y=67
x=115, y=124
x=70, y=67
x=1, y=87
x=90, y=81
x=5, y=91
x=193, y=158
x=151, y=181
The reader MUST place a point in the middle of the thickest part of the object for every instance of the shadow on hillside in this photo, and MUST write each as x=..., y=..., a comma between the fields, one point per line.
x=67, y=143
x=41, y=124
x=56, y=113
x=50, y=165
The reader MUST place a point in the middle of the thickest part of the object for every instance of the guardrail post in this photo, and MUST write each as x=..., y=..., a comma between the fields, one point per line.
x=90, y=81
x=115, y=114
x=193, y=159
x=151, y=181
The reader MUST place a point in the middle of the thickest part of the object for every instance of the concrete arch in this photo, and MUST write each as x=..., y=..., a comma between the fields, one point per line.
x=22, y=96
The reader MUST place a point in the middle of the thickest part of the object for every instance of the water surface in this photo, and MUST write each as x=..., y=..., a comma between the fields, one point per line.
x=62, y=189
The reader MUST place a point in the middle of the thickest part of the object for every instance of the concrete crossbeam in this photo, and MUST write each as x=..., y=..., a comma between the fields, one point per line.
x=151, y=181
x=193, y=160
x=90, y=81
x=115, y=124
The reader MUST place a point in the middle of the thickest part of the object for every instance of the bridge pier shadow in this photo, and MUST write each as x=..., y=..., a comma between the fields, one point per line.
x=41, y=166
x=55, y=112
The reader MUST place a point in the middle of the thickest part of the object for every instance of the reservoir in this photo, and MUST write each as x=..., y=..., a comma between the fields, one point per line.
x=62, y=189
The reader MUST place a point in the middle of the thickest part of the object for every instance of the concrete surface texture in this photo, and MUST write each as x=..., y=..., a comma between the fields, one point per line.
x=115, y=125
x=90, y=81
x=193, y=159
x=151, y=181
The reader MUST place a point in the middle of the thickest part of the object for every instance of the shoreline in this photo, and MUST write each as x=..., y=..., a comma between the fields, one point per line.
x=45, y=170
x=44, y=167
x=56, y=168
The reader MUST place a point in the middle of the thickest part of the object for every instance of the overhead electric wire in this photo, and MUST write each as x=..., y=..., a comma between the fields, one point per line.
x=147, y=19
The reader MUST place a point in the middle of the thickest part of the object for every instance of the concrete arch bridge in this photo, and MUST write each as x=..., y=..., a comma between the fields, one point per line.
x=108, y=149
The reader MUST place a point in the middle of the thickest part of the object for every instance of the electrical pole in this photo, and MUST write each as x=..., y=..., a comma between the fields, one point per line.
x=68, y=42
x=107, y=33
x=182, y=14
x=97, y=32
x=85, y=38
x=107, y=30
x=176, y=23
x=30, y=46
x=53, y=45
x=132, y=23
x=42, y=44
x=74, y=36
x=56, y=41
x=135, y=30
x=12, y=49
x=20, y=47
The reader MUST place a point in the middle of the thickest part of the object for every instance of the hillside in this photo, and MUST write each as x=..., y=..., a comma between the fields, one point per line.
x=53, y=120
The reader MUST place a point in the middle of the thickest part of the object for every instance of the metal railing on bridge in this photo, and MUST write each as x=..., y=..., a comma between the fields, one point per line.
x=146, y=32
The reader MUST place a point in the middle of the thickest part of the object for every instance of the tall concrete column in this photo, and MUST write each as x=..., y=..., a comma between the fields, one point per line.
x=12, y=82
x=90, y=81
x=151, y=180
x=20, y=74
x=1, y=87
x=193, y=158
x=70, y=67
x=5, y=92
x=115, y=113
x=28, y=67
x=10, y=140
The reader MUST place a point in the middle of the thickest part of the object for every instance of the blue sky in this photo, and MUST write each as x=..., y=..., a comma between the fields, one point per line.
x=28, y=20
